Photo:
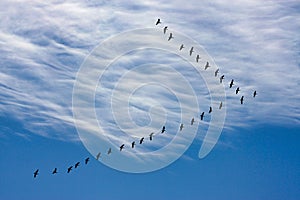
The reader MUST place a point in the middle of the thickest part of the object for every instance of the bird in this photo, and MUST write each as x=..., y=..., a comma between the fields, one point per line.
x=54, y=171
x=191, y=51
x=221, y=104
x=165, y=29
x=122, y=147
x=98, y=156
x=237, y=90
x=231, y=83
x=254, y=94
x=109, y=151
x=197, y=58
x=35, y=173
x=151, y=136
x=181, y=127
x=87, y=160
x=242, y=99
x=77, y=165
x=163, y=129
x=181, y=47
x=206, y=66
x=132, y=144
x=142, y=140
x=210, y=109
x=216, y=72
x=69, y=169
x=192, y=121
x=202, y=115
x=170, y=37
x=158, y=21
x=221, y=78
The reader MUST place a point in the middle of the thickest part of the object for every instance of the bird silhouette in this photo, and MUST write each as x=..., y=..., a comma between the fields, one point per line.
x=122, y=147
x=242, y=99
x=109, y=151
x=163, y=129
x=54, y=171
x=231, y=83
x=36, y=173
x=77, y=165
x=191, y=51
x=221, y=104
x=237, y=90
x=202, y=115
x=141, y=140
x=254, y=94
x=151, y=136
x=170, y=37
x=206, y=66
x=221, y=78
x=197, y=58
x=87, y=160
x=132, y=144
x=181, y=127
x=210, y=109
x=192, y=121
x=181, y=47
x=69, y=169
x=158, y=22
x=216, y=72
x=165, y=29
x=98, y=156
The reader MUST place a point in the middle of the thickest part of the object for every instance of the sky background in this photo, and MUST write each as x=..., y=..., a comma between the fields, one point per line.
x=43, y=44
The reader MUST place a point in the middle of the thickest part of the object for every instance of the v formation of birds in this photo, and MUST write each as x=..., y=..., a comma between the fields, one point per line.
x=163, y=130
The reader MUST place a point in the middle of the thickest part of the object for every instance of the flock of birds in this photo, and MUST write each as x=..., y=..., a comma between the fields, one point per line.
x=163, y=130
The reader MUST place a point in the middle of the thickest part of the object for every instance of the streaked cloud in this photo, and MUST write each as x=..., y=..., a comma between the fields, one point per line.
x=43, y=44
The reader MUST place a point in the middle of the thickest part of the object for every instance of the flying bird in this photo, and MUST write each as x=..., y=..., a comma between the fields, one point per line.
x=210, y=109
x=231, y=83
x=237, y=90
x=77, y=165
x=181, y=127
x=192, y=121
x=151, y=136
x=242, y=99
x=254, y=94
x=122, y=147
x=191, y=51
x=142, y=140
x=158, y=22
x=165, y=29
x=221, y=104
x=202, y=115
x=69, y=169
x=35, y=173
x=216, y=72
x=87, y=160
x=181, y=47
x=221, y=78
x=109, y=151
x=206, y=66
x=163, y=129
x=98, y=156
x=170, y=37
x=197, y=58
x=54, y=171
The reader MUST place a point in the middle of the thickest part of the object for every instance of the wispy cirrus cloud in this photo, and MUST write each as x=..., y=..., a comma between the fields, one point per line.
x=255, y=43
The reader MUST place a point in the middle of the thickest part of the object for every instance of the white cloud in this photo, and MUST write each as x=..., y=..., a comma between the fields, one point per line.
x=256, y=43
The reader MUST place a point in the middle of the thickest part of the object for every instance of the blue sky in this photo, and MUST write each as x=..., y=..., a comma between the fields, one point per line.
x=43, y=46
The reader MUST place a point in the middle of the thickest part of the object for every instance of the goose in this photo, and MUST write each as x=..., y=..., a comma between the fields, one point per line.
x=158, y=21
x=36, y=173
x=170, y=37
